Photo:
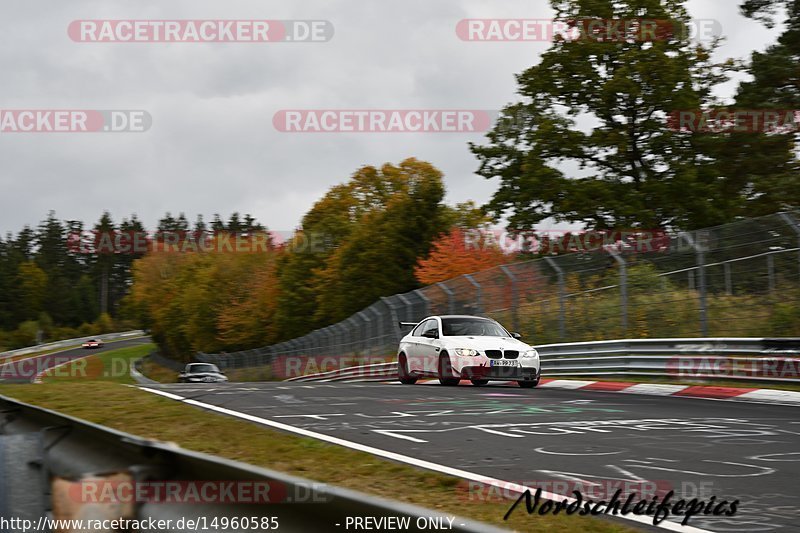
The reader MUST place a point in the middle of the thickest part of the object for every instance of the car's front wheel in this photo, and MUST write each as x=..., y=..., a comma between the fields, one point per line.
x=405, y=377
x=528, y=384
x=446, y=371
x=480, y=382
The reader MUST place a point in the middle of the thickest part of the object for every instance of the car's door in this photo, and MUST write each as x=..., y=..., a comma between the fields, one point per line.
x=412, y=347
x=429, y=346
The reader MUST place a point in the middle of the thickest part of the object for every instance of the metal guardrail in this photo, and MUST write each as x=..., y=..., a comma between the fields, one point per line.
x=138, y=377
x=747, y=359
x=46, y=456
x=751, y=359
x=378, y=372
x=69, y=342
x=711, y=345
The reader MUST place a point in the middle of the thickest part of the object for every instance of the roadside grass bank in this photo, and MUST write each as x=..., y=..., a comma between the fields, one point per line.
x=112, y=366
x=103, y=398
x=156, y=372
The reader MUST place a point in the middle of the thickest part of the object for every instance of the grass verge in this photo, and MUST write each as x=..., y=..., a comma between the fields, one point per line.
x=157, y=372
x=94, y=391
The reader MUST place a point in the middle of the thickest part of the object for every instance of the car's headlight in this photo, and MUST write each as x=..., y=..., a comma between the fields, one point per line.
x=530, y=353
x=466, y=351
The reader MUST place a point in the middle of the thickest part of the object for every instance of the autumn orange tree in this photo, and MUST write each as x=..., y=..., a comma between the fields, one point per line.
x=362, y=241
x=207, y=301
x=454, y=255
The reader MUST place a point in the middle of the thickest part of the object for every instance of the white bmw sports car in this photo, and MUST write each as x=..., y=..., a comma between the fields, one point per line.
x=454, y=347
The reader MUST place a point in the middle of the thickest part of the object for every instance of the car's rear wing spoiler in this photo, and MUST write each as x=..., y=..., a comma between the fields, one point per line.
x=408, y=324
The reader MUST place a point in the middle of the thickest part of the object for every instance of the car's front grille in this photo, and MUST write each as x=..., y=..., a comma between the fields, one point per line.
x=494, y=354
x=511, y=354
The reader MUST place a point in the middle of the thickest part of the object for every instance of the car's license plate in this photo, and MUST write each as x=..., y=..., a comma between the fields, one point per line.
x=503, y=362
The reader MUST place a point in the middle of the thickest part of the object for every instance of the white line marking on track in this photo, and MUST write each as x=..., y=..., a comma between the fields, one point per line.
x=542, y=450
x=566, y=384
x=420, y=463
x=764, y=457
x=389, y=433
x=771, y=395
x=654, y=389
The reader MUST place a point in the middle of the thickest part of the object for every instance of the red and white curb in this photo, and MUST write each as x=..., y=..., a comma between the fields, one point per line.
x=739, y=394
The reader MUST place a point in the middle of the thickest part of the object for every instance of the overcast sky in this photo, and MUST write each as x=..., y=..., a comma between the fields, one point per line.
x=212, y=146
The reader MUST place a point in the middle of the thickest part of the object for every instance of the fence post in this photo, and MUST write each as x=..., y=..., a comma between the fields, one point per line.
x=700, y=259
x=355, y=334
x=348, y=335
x=726, y=266
x=425, y=301
x=623, y=287
x=478, y=305
x=409, y=312
x=331, y=341
x=367, y=330
x=562, y=327
x=450, y=301
x=514, y=296
x=312, y=342
x=268, y=357
x=771, y=272
x=341, y=331
x=378, y=330
x=308, y=343
x=795, y=225
x=395, y=318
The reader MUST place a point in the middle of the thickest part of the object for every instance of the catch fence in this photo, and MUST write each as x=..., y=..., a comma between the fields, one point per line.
x=736, y=280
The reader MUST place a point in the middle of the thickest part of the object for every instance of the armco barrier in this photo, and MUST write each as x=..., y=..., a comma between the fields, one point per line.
x=379, y=372
x=49, y=459
x=138, y=377
x=68, y=342
x=707, y=359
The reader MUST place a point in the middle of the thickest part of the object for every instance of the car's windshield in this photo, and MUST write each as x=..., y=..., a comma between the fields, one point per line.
x=452, y=327
x=203, y=368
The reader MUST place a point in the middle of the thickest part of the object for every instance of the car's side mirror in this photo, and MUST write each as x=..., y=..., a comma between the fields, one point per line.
x=431, y=334
x=516, y=335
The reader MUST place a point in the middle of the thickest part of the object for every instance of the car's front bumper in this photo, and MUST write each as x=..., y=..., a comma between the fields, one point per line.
x=519, y=373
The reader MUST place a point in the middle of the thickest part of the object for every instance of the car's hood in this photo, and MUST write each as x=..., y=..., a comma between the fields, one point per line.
x=482, y=343
x=203, y=375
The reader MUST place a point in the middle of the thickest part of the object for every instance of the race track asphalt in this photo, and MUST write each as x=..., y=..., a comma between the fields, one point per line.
x=559, y=440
